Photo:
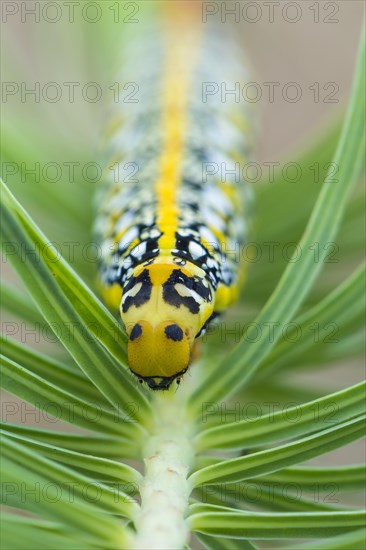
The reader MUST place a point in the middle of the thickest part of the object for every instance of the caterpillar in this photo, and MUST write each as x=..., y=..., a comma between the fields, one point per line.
x=170, y=235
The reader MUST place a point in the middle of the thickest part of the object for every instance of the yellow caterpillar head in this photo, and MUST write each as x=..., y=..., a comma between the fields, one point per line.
x=158, y=354
x=163, y=308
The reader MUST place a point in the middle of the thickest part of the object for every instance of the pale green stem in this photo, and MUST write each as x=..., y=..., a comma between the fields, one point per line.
x=168, y=453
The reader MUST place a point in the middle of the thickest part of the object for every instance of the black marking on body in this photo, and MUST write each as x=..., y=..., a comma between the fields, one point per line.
x=142, y=296
x=172, y=296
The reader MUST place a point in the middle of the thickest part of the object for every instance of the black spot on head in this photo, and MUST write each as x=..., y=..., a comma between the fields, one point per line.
x=135, y=332
x=174, y=332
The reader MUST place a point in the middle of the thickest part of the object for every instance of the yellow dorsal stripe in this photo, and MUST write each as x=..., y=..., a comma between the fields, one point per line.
x=180, y=56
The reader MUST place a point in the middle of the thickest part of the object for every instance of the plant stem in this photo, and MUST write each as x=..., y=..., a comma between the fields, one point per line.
x=165, y=490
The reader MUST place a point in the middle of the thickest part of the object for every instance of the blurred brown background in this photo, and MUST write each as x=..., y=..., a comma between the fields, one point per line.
x=305, y=52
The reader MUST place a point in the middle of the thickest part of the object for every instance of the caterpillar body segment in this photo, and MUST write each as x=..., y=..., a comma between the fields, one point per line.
x=171, y=234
